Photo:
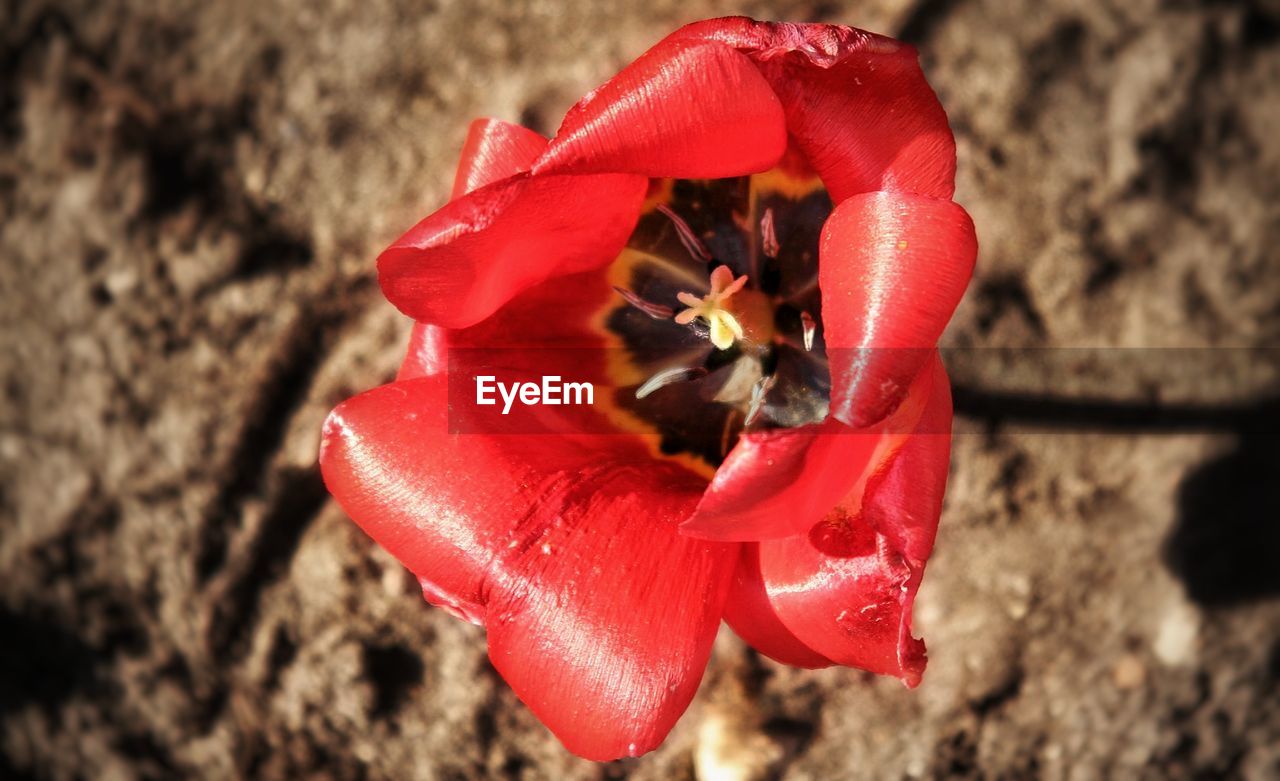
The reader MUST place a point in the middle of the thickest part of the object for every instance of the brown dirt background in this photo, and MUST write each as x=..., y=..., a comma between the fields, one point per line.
x=191, y=198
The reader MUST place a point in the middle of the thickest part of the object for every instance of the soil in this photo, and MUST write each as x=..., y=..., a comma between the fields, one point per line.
x=191, y=198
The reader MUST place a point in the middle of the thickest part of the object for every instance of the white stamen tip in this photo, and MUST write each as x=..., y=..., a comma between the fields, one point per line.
x=758, y=393
x=810, y=329
x=667, y=377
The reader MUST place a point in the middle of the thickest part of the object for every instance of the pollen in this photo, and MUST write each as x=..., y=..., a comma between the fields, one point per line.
x=725, y=328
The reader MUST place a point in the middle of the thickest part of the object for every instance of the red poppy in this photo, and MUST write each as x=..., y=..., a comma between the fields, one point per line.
x=768, y=203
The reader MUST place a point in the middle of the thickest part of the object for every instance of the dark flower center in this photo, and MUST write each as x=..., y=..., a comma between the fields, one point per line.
x=705, y=353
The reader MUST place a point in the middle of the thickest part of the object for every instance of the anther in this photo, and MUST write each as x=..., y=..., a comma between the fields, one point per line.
x=809, y=329
x=669, y=376
x=688, y=238
x=656, y=311
x=758, y=393
x=768, y=235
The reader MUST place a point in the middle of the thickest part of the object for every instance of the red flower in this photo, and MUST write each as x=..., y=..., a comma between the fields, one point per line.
x=800, y=503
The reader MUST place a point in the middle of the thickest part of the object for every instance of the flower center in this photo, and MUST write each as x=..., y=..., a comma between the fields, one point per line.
x=718, y=311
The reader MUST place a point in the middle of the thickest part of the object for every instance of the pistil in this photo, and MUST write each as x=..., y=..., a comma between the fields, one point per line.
x=725, y=328
x=711, y=307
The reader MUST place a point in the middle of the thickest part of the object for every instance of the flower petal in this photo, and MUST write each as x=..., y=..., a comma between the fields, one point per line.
x=602, y=643
x=522, y=332
x=563, y=546
x=781, y=482
x=750, y=614
x=427, y=353
x=857, y=104
x=846, y=590
x=903, y=502
x=893, y=268
x=495, y=150
x=686, y=109
x=776, y=483
x=462, y=263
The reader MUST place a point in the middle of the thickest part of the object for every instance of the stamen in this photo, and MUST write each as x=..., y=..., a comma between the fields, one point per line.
x=688, y=238
x=725, y=328
x=758, y=392
x=669, y=376
x=656, y=311
x=810, y=328
x=768, y=235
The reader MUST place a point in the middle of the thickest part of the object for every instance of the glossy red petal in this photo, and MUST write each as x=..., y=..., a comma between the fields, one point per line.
x=893, y=268
x=495, y=150
x=466, y=260
x=780, y=483
x=823, y=45
x=605, y=626
x=549, y=328
x=686, y=109
x=565, y=547
x=857, y=104
x=846, y=590
x=427, y=352
x=903, y=501
x=750, y=614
